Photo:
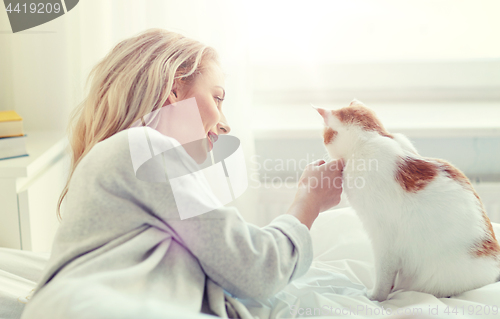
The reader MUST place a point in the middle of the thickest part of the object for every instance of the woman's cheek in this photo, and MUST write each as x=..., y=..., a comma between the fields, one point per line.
x=214, y=116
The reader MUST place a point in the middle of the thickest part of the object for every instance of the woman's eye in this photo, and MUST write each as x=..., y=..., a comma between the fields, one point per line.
x=219, y=100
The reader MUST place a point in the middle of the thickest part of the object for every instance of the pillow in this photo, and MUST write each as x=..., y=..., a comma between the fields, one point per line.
x=19, y=272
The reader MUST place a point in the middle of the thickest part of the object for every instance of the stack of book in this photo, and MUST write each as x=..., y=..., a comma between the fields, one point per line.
x=12, y=138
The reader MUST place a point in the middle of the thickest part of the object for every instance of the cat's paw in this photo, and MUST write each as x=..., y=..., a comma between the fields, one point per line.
x=377, y=296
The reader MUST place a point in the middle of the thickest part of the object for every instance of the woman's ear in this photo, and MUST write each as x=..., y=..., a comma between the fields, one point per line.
x=174, y=95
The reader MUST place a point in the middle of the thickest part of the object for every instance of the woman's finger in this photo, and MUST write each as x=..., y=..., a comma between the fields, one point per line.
x=335, y=165
x=317, y=162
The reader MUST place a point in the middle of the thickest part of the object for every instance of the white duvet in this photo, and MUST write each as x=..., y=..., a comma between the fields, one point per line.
x=336, y=284
x=343, y=267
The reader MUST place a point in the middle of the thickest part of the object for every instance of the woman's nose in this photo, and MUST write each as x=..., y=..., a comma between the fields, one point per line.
x=222, y=126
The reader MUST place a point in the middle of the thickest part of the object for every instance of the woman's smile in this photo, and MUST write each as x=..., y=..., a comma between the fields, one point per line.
x=212, y=138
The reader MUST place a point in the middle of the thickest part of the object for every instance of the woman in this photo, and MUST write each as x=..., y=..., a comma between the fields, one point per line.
x=121, y=250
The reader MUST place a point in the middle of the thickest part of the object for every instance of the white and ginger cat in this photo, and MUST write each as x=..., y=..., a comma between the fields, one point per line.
x=427, y=224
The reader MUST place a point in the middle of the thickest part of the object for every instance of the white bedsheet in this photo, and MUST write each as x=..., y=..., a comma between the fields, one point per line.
x=19, y=272
x=343, y=267
x=335, y=284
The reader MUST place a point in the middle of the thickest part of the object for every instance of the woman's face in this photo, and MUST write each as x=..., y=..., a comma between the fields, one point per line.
x=208, y=90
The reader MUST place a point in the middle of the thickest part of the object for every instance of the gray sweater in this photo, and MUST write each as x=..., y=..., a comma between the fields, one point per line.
x=122, y=250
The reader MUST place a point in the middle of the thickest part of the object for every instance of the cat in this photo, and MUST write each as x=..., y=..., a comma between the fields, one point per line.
x=426, y=223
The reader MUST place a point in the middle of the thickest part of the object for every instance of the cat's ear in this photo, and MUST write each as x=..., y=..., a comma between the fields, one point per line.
x=323, y=112
x=356, y=103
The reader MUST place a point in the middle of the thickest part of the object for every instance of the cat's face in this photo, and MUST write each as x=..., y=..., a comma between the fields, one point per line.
x=345, y=126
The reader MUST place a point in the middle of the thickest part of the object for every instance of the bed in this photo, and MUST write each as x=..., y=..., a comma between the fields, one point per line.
x=335, y=285
x=19, y=272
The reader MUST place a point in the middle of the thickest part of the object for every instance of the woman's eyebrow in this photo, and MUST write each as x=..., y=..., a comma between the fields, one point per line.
x=224, y=91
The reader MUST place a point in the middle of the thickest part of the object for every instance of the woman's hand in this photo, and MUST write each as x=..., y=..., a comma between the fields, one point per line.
x=320, y=187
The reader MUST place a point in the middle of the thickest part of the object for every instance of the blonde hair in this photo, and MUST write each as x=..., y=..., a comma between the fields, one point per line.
x=133, y=80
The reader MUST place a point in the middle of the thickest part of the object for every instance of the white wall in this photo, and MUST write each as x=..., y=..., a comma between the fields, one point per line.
x=6, y=89
x=333, y=31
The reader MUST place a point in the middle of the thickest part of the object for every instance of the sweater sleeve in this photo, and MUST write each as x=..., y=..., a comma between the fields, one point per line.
x=245, y=260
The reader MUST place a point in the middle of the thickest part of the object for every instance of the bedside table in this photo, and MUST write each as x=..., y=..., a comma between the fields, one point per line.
x=29, y=190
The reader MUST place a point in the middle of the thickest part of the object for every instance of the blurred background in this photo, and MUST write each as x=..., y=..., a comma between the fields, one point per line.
x=429, y=68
